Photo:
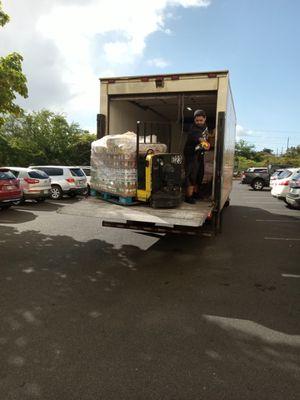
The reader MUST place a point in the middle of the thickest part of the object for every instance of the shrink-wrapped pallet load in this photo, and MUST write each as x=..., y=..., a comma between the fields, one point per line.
x=113, y=165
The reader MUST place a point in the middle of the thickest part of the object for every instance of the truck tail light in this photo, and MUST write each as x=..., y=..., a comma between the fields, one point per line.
x=31, y=181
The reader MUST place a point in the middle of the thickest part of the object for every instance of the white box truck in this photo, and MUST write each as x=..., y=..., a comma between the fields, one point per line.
x=165, y=104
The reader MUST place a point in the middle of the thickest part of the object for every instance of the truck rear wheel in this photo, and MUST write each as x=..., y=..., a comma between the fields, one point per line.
x=257, y=184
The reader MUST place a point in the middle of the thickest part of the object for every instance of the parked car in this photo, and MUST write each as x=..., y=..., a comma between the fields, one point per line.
x=64, y=180
x=87, y=171
x=275, y=176
x=281, y=185
x=10, y=190
x=35, y=184
x=293, y=196
x=257, y=178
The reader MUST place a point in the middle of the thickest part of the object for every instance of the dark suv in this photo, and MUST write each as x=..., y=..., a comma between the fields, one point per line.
x=259, y=177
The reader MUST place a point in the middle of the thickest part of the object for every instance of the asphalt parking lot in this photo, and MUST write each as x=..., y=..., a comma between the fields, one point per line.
x=96, y=313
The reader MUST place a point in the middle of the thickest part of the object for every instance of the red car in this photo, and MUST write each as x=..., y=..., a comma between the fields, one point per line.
x=9, y=188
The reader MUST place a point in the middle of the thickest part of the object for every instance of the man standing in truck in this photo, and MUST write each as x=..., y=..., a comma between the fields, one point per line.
x=194, y=150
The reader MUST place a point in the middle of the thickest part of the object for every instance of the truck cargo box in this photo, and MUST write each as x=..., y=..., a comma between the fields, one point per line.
x=169, y=101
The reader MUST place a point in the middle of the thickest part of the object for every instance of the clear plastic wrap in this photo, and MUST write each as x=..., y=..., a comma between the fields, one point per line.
x=113, y=164
x=155, y=147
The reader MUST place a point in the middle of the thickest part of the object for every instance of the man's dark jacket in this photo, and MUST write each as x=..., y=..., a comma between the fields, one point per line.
x=193, y=138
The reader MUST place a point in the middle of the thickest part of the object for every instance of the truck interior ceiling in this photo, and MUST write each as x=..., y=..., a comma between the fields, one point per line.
x=166, y=118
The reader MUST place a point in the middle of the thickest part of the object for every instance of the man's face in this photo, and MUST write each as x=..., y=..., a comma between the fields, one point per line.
x=199, y=120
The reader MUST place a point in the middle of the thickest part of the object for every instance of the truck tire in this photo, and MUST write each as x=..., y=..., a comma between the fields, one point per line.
x=257, y=184
x=56, y=192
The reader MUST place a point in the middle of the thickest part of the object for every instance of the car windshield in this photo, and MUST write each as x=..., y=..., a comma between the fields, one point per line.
x=77, y=172
x=277, y=174
x=297, y=177
x=6, y=175
x=285, y=174
x=38, y=174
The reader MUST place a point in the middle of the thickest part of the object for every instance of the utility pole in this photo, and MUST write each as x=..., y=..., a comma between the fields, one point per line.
x=287, y=144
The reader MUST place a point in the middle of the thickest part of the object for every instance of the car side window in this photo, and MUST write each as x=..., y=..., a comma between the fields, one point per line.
x=52, y=171
x=16, y=173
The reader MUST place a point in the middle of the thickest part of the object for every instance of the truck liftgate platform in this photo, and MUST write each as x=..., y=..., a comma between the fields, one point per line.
x=184, y=219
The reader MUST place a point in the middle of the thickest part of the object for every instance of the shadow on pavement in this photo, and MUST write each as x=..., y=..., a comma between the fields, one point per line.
x=15, y=215
x=190, y=318
x=48, y=205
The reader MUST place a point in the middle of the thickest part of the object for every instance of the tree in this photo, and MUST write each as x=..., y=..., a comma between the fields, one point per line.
x=43, y=138
x=12, y=79
x=266, y=150
x=244, y=149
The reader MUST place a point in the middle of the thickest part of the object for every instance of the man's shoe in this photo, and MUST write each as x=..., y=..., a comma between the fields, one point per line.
x=190, y=200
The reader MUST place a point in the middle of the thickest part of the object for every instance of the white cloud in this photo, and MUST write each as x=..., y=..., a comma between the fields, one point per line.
x=67, y=45
x=243, y=132
x=158, y=62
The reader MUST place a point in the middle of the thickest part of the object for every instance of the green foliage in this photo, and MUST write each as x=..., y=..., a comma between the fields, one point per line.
x=43, y=138
x=266, y=150
x=244, y=149
x=4, y=18
x=12, y=79
x=246, y=157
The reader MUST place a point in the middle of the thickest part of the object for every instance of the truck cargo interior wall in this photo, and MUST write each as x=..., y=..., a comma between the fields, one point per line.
x=174, y=109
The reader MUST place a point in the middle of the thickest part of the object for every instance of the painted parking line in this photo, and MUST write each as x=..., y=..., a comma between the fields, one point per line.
x=290, y=276
x=277, y=220
x=281, y=238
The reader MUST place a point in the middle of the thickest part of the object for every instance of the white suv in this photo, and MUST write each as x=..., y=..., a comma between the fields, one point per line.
x=64, y=180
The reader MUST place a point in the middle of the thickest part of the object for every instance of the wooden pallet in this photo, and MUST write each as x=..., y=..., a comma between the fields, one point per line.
x=114, y=198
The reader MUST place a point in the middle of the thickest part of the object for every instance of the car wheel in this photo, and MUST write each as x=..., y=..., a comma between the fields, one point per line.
x=257, y=185
x=86, y=192
x=56, y=192
x=19, y=202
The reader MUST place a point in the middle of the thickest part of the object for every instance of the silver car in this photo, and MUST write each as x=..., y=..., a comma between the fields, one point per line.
x=35, y=184
x=64, y=180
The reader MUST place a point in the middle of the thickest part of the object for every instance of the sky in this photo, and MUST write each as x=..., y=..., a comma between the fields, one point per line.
x=68, y=44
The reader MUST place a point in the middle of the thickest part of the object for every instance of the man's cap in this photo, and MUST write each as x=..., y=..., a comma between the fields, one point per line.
x=199, y=113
